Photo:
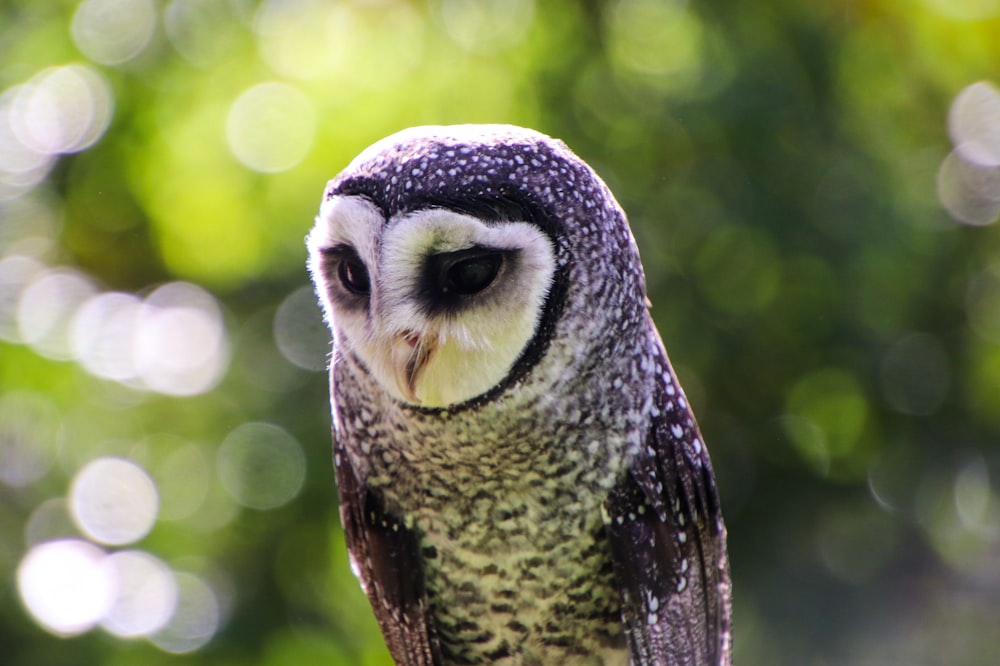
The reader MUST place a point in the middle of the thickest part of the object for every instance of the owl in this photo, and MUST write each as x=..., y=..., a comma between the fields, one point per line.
x=521, y=479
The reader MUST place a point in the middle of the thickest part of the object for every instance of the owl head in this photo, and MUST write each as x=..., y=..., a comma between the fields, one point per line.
x=445, y=256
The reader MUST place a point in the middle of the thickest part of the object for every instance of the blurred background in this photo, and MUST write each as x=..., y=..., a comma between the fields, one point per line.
x=812, y=187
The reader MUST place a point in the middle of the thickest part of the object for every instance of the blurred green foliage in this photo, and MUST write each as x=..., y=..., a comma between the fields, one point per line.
x=837, y=333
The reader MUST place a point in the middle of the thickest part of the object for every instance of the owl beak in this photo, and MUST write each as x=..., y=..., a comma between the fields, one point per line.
x=411, y=352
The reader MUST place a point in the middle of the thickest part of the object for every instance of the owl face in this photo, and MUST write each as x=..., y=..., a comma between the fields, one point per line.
x=436, y=304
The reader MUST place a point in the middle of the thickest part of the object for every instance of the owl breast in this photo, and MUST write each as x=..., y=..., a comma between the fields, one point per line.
x=507, y=502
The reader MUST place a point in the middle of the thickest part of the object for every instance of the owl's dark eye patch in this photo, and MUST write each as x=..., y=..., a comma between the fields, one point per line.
x=469, y=272
x=450, y=277
x=350, y=270
x=354, y=276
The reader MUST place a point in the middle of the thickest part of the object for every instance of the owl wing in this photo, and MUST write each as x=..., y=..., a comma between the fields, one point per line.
x=668, y=542
x=385, y=556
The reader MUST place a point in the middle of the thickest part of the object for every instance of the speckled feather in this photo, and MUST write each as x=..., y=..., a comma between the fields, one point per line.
x=569, y=514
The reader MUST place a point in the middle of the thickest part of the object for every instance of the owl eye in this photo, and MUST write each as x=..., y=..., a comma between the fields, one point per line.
x=470, y=271
x=353, y=275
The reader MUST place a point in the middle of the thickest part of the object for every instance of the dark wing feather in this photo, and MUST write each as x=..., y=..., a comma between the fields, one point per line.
x=385, y=556
x=668, y=542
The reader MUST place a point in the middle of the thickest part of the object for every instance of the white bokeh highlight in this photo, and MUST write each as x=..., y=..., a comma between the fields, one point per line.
x=113, y=501
x=173, y=342
x=195, y=620
x=103, y=334
x=21, y=168
x=46, y=308
x=65, y=586
x=59, y=110
x=113, y=32
x=145, y=594
x=62, y=110
x=968, y=180
x=974, y=124
x=180, y=346
x=271, y=127
x=16, y=273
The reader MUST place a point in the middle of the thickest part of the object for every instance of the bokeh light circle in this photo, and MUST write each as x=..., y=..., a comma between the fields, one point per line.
x=973, y=496
x=299, y=330
x=317, y=40
x=62, y=110
x=657, y=42
x=293, y=40
x=145, y=594
x=50, y=521
x=487, y=26
x=46, y=309
x=968, y=180
x=21, y=168
x=181, y=346
x=195, y=620
x=271, y=127
x=173, y=342
x=65, y=585
x=974, y=124
x=111, y=32
x=199, y=30
x=16, y=273
x=104, y=335
x=114, y=501
x=968, y=191
x=261, y=465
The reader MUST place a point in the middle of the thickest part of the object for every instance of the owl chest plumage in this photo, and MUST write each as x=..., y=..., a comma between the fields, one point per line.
x=506, y=499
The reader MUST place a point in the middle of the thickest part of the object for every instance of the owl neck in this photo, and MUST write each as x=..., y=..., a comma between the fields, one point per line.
x=573, y=409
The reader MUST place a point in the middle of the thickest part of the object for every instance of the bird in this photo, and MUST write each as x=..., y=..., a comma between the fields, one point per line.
x=521, y=479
